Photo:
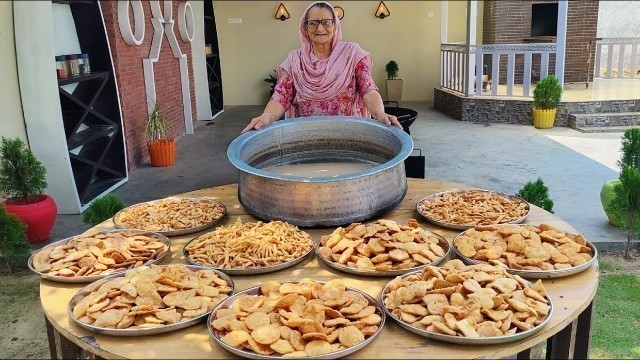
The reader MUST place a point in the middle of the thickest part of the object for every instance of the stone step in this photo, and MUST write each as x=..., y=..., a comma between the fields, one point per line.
x=598, y=107
x=604, y=122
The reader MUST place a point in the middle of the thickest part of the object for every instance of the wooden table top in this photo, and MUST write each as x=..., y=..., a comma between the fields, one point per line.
x=570, y=295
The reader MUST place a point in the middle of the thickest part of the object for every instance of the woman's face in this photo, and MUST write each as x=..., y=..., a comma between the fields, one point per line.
x=320, y=35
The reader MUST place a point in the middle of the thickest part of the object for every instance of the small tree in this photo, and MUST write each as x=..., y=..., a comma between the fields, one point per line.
x=547, y=93
x=626, y=204
x=392, y=69
x=630, y=149
x=22, y=176
x=538, y=194
x=14, y=246
x=102, y=209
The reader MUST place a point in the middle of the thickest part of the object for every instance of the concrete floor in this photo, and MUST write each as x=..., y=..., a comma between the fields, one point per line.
x=495, y=157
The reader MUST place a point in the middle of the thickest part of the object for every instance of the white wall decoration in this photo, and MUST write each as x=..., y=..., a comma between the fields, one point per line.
x=186, y=22
x=129, y=36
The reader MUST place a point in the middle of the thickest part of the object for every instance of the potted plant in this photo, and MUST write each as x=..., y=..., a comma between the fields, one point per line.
x=630, y=158
x=271, y=80
x=22, y=183
x=162, y=149
x=394, y=86
x=546, y=97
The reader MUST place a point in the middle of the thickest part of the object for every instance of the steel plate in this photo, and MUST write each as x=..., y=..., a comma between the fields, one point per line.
x=376, y=273
x=535, y=274
x=140, y=332
x=92, y=278
x=248, y=271
x=226, y=304
x=464, y=227
x=461, y=339
x=181, y=231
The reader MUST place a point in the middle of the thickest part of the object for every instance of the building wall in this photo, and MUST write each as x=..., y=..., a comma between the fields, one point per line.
x=128, y=68
x=11, y=116
x=252, y=49
x=582, y=19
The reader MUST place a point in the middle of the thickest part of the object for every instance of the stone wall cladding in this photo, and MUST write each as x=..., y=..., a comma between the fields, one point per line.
x=127, y=61
x=509, y=22
x=448, y=103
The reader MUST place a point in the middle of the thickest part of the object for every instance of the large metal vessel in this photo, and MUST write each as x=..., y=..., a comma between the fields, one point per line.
x=321, y=201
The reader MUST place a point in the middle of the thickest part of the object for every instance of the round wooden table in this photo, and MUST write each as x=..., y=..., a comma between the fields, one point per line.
x=572, y=298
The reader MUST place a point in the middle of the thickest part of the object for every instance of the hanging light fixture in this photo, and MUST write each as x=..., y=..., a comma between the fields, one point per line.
x=282, y=13
x=382, y=11
x=339, y=12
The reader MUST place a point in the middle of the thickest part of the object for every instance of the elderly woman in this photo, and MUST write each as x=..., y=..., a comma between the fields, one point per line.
x=325, y=77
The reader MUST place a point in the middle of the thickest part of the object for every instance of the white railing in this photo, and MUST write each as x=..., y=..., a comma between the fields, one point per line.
x=454, y=75
x=617, y=58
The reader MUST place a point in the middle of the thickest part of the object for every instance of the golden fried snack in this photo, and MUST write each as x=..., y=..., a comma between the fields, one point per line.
x=249, y=245
x=474, y=207
x=382, y=245
x=170, y=214
x=470, y=301
x=297, y=319
x=151, y=296
x=524, y=247
x=99, y=253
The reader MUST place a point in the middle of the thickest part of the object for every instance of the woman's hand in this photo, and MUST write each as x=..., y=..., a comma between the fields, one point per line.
x=259, y=122
x=387, y=119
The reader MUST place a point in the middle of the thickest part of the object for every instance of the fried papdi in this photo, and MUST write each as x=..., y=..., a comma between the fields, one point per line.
x=170, y=214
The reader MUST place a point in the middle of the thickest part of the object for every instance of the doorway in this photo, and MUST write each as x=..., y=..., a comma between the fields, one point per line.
x=212, y=54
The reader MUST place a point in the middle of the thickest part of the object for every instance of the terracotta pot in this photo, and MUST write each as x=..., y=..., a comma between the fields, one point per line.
x=544, y=118
x=39, y=216
x=162, y=152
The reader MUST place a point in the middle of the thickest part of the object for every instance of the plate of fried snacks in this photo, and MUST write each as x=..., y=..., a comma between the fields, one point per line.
x=305, y=319
x=250, y=248
x=97, y=254
x=171, y=216
x=149, y=300
x=467, y=304
x=382, y=248
x=529, y=251
x=460, y=210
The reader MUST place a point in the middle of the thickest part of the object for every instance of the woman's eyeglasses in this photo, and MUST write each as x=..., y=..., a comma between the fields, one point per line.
x=313, y=24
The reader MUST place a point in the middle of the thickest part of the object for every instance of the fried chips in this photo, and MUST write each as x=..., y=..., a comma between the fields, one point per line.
x=474, y=207
x=99, y=253
x=298, y=319
x=470, y=301
x=524, y=247
x=148, y=297
x=249, y=245
x=170, y=214
x=382, y=245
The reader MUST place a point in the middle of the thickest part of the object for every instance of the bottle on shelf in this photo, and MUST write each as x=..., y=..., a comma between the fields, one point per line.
x=83, y=64
x=62, y=68
x=73, y=64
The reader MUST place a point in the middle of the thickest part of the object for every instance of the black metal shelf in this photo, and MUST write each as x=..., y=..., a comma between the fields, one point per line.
x=213, y=84
x=73, y=2
x=88, y=135
x=81, y=78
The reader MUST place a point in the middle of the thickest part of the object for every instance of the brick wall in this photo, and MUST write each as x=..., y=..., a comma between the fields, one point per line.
x=127, y=61
x=509, y=22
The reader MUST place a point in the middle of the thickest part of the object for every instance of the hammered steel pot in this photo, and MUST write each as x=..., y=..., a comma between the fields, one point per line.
x=321, y=201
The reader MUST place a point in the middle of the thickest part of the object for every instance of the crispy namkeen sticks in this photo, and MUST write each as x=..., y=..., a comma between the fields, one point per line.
x=474, y=207
x=298, y=319
x=170, y=214
x=469, y=301
x=382, y=245
x=153, y=296
x=99, y=254
x=524, y=247
x=249, y=245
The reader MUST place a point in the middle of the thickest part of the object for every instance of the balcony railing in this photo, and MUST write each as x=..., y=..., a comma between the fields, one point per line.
x=617, y=58
x=455, y=76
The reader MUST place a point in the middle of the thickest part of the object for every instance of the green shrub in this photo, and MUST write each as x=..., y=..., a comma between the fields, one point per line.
x=102, y=209
x=630, y=149
x=626, y=204
x=392, y=69
x=537, y=193
x=22, y=176
x=547, y=93
x=14, y=246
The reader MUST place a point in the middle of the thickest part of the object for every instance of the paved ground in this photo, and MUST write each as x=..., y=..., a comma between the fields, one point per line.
x=574, y=165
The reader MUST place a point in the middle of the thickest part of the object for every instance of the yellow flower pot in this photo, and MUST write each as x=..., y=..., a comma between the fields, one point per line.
x=543, y=118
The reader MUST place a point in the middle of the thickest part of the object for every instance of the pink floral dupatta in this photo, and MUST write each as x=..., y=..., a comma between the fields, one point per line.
x=323, y=79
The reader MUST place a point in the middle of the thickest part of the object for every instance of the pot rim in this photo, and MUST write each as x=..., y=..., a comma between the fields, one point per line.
x=233, y=152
